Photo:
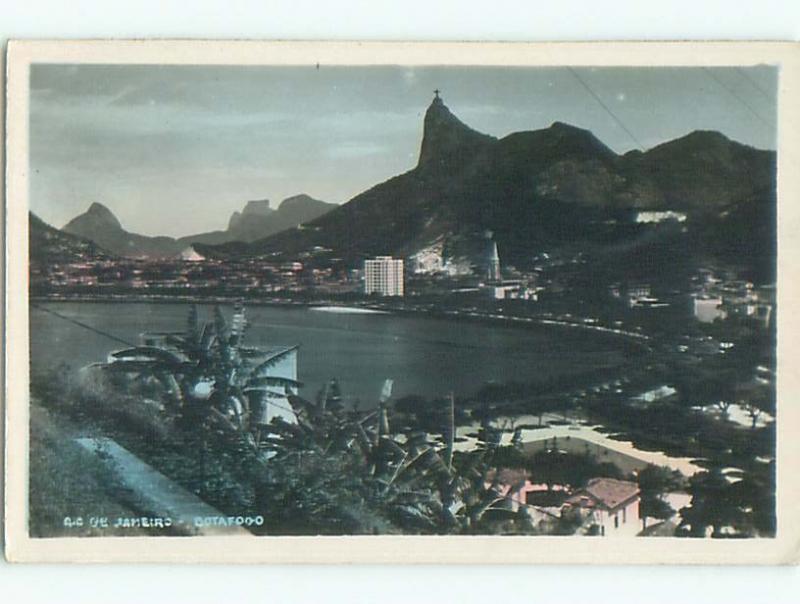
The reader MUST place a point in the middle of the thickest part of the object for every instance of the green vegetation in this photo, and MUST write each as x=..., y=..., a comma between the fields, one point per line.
x=66, y=482
x=193, y=409
x=654, y=483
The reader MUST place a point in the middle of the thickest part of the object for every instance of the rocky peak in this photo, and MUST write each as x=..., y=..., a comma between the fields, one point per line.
x=235, y=221
x=447, y=142
x=97, y=216
x=258, y=207
x=296, y=200
x=571, y=140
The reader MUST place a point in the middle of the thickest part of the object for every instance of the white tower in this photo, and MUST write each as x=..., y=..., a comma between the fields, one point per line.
x=493, y=267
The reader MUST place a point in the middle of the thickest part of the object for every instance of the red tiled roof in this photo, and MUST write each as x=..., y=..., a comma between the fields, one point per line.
x=610, y=492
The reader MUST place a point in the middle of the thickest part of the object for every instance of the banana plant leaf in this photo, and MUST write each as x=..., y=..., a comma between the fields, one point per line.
x=263, y=391
x=208, y=337
x=251, y=353
x=132, y=366
x=156, y=354
x=261, y=381
x=273, y=360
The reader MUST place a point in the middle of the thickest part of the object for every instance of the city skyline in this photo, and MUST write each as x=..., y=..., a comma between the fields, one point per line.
x=174, y=150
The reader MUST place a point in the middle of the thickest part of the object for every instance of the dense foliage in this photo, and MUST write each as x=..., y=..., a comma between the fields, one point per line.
x=191, y=410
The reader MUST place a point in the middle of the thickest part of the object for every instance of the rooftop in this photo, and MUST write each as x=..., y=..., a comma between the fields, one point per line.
x=611, y=492
x=608, y=492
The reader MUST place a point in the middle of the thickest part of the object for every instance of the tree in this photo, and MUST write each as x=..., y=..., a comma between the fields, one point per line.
x=654, y=482
x=569, y=521
x=651, y=506
x=713, y=505
x=208, y=376
x=539, y=407
x=757, y=400
x=336, y=470
x=554, y=467
x=753, y=412
x=756, y=493
x=724, y=408
x=411, y=483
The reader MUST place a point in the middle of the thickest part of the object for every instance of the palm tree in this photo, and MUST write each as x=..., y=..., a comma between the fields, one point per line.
x=713, y=504
x=209, y=376
x=327, y=459
x=407, y=478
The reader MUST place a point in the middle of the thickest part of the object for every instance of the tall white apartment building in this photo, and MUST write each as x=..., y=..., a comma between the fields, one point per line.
x=384, y=276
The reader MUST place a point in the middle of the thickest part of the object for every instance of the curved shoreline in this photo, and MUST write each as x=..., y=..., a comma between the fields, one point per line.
x=356, y=308
x=552, y=322
x=347, y=310
x=450, y=315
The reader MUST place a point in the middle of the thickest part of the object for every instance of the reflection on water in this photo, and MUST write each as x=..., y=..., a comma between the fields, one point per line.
x=422, y=355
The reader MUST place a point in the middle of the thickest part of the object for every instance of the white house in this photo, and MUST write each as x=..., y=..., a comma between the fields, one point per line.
x=612, y=505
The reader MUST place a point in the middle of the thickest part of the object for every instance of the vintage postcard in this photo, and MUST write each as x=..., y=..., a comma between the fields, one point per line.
x=402, y=302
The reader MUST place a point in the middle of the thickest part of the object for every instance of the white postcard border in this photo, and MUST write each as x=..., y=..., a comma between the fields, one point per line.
x=783, y=549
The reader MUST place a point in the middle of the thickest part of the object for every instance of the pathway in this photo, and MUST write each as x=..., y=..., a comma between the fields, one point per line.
x=159, y=496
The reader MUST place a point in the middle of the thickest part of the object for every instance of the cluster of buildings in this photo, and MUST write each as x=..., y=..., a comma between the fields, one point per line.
x=636, y=295
x=190, y=274
x=718, y=298
x=604, y=507
x=712, y=295
x=385, y=275
x=504, y=289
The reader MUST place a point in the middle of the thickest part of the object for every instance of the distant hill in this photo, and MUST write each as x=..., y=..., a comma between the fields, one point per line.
x=49, y=245
x=252, y=209
x=257, y=220
x=99, y=224
x=536, y=190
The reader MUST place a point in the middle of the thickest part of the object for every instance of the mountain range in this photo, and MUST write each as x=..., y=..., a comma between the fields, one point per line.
x=49, y=245
x=256, y=221
x=558, y=188
x=545, y=189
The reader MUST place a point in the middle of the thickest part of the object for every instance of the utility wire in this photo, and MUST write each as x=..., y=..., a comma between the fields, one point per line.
x=785, y=151
x=755, y=84
x=115, y=338
x=608, y=110
x=733, y=93
x=84, y=325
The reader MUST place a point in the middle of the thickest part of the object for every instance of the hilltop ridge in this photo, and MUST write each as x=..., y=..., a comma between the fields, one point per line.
x=540, y=189
x=256, y=220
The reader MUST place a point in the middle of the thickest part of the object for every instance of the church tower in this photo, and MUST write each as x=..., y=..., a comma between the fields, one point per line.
x=493, y=265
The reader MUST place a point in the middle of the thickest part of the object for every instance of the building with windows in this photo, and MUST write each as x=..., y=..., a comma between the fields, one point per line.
x=609, y=504
x=383, y=276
